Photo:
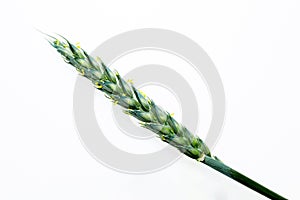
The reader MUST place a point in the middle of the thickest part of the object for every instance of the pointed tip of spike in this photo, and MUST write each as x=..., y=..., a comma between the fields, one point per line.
x=45, y=34
x=62, y=37
x=49, y=38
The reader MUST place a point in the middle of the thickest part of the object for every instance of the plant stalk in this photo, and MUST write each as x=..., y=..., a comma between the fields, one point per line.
x=235, y=175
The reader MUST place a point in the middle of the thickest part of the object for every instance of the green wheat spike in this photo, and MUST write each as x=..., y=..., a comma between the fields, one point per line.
x=151, y=116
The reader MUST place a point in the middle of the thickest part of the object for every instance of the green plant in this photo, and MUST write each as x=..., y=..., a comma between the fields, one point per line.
x=150, y=115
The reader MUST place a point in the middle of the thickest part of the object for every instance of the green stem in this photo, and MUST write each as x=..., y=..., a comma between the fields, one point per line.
x=231, y=173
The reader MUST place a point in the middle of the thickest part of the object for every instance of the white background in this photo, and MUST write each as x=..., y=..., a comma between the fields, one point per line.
x=255, y=46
